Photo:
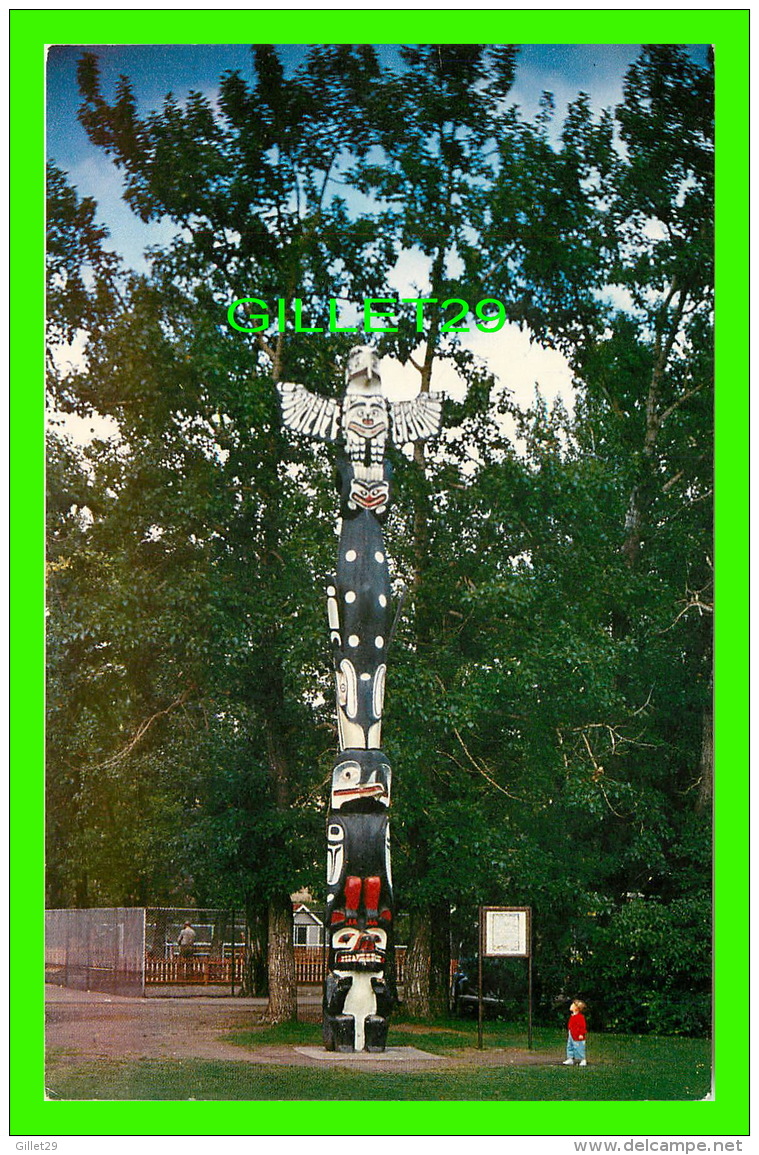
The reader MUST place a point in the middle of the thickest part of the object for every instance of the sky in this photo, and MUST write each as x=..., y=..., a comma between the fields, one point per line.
x=155, y=70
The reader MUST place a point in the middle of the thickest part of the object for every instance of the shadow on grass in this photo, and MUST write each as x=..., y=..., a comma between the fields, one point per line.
x=199, y=1080
x=439, y=1037
x=621, y=1067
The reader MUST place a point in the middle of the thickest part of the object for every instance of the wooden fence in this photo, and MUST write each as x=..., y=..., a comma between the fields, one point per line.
x=309, y=964
x=196, y=970
x=309, y=968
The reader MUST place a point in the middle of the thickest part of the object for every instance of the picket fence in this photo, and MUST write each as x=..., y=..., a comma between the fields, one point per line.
x=309, y=968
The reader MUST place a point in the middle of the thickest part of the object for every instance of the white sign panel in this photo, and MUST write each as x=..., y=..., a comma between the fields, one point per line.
x=506, y=933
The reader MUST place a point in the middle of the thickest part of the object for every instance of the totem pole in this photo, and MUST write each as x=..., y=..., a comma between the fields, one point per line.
x=359, y=919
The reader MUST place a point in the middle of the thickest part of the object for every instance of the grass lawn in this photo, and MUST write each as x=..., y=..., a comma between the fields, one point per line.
x=621, y=1067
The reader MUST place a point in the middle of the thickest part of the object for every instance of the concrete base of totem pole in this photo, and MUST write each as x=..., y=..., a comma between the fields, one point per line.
x=390, y=1054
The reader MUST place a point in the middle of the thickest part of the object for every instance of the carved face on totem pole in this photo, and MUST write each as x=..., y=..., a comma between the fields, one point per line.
x=364, y=417
x=359, y=950
x=365, y=421
x=357, y=999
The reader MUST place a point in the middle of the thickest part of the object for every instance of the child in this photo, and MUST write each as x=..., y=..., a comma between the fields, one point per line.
x=576, y=1035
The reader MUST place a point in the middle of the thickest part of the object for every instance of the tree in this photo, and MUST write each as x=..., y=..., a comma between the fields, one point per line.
x=210, y=478
x=641, y=227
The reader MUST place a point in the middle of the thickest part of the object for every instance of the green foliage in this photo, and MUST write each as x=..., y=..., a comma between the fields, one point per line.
x=82, y=276
x=653, y=962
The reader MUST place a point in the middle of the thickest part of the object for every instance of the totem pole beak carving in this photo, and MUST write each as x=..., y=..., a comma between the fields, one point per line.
x=353, y=783
x=375, y=790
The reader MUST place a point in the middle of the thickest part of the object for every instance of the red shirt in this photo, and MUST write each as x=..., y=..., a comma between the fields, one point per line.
x=577, y=1026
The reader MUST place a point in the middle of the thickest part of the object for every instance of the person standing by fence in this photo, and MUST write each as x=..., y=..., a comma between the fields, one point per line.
x=186, y=942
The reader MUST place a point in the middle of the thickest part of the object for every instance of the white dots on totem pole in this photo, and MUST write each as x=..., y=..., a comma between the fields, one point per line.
x=350, y=597
x=382, y=600
x=331, y=591
x=366, y=677
x=379, y=642
x=352, y=505
x=379, y=556
x=353, y=640
x=350, y=555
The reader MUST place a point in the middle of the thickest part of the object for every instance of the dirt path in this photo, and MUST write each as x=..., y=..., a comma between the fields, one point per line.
x=114, y=1027
x=111, y=1026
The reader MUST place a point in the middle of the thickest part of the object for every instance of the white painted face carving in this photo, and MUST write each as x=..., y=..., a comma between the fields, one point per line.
x=372, y=495
x=347, y=692
x=365, y=416
x=346, y=777
x=359, y=949
x=342, y=687
x=352, y=736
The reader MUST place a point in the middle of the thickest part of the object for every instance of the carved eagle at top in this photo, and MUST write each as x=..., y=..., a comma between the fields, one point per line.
x=364, y=417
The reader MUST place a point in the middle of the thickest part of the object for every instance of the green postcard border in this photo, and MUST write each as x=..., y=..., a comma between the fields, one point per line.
x=31, y=1113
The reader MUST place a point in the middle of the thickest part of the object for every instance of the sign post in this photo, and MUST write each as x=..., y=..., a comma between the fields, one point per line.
x=506, y=932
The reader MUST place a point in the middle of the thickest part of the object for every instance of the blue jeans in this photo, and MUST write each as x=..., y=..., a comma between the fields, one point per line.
x=575, y=1047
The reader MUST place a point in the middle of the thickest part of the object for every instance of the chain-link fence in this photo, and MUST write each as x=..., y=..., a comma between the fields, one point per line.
x=122, y=950
x=193, y=947
x=172, y=950
x=100, y=949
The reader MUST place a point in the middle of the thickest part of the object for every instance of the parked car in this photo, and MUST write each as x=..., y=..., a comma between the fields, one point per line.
x=465, y=996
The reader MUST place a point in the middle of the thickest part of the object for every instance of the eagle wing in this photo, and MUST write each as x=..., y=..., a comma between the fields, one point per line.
x=307, y=412
x=418, y=419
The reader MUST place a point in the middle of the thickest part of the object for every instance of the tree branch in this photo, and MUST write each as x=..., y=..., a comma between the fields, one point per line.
x=693, y=602
x=142, y=730
x=264, y=344
x=480, y=770
x=676, y=404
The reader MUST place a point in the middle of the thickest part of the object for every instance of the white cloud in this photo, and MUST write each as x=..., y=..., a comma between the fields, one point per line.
x=82, y=430
x=519, y=363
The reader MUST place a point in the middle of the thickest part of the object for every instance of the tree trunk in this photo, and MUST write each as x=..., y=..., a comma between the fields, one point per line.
x=440, y=960
x=255, y=981
x=281, y=957
x=706, y=780
x=283, y=994
x=54, y=892
x=81, y=897
x=428, y=962
x=416, y=983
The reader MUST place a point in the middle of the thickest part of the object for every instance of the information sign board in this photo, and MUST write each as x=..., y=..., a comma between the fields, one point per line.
x=506, y=932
